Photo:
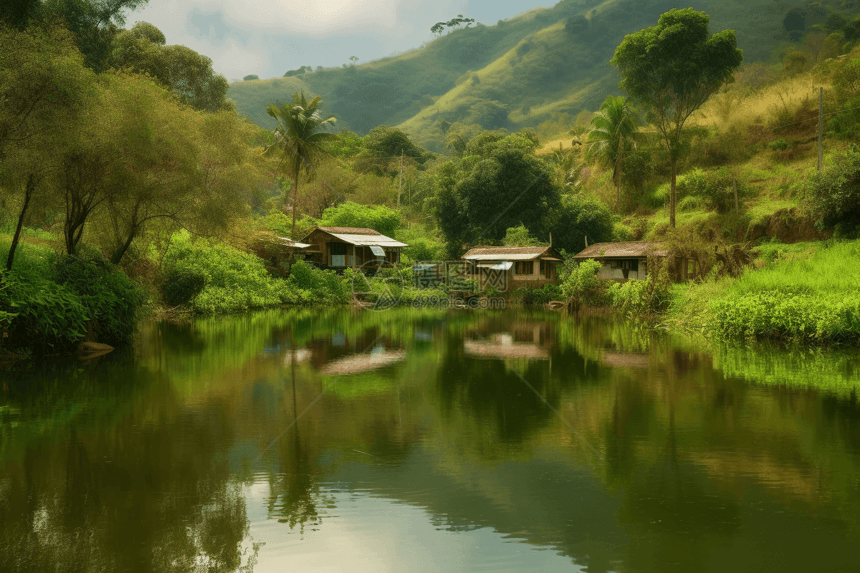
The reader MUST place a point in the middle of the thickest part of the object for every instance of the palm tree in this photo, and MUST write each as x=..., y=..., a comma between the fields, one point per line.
x=612, y=134
x=298, y=138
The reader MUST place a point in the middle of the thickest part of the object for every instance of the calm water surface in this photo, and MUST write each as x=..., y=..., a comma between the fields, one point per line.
x=428, y=441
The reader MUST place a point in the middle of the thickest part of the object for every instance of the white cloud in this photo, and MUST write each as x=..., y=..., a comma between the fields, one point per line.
x=306, y=18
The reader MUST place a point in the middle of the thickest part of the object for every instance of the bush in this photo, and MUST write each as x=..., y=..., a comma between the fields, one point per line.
x=716, y=189
x=110, y=298
x=581, y=283
x=39, y=316
x=639, y=297
x=833, y=195
x=323, y=286
x=543, y=295
x=182, y=285
x=235, y=280
x=380, y=218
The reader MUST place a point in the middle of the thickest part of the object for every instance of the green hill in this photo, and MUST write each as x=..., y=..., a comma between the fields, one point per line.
x=543, y=65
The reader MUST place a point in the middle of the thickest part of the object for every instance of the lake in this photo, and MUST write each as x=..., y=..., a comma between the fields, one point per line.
x=418, y=440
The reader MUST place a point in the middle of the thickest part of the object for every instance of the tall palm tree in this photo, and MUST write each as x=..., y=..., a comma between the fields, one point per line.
x=613, y=132
x=299, y=139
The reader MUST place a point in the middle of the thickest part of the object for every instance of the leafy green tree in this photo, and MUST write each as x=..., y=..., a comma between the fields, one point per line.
x=183, y=71
x=498, y=184
x=612, y=136
x=519, y=237
x=250, y=77
x=298, y=138
x=671, y=69
x=194, y=171
x=576, y=218
x=93, y=23
x=44, y=87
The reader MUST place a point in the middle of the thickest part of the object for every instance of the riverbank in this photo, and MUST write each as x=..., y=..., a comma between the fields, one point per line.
x=802, y=293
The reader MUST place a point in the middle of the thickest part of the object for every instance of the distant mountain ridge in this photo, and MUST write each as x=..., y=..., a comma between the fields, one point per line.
x=520, y=72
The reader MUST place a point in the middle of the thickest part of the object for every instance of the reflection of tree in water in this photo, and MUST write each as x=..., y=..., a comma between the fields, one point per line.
x=294, y=494
x=146, y=492
x=672, y=505
x=492, y=393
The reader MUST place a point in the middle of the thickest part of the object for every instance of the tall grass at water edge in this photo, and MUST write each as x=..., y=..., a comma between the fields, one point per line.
x=816, y=300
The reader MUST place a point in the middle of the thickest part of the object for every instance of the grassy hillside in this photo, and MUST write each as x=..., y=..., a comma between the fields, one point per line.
x=542, y=66
x=253, y=96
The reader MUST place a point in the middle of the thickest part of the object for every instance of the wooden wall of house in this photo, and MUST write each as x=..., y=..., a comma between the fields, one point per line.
x=536, y=276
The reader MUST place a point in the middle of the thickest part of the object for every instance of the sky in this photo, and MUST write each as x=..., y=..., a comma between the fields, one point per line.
x=269, y=37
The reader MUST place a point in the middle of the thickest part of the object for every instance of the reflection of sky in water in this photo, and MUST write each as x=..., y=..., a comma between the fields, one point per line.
x=366, y=533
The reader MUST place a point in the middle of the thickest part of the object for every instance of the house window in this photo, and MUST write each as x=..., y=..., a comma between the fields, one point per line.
x=525, y=268
x=546, y=269
x=338, y=254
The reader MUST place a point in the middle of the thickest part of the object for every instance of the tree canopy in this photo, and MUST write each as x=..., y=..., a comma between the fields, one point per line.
x=498, y=184
x=672, y=68
x=181, y=70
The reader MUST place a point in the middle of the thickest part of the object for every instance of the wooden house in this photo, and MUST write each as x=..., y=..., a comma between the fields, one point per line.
x=507, y=268
x=628, y=260
x=341, y=247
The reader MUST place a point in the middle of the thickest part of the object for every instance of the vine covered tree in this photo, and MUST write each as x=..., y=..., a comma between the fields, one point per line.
x=612, y=136
x=671, y=69
x=299, y=138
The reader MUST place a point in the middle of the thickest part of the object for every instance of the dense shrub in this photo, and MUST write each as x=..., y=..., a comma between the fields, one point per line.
x=319, y=285
x=182, y=285
x=834, y=195
x=581, y=283
x=380, y=218
x=110, y=298
x=39, y=315
x=235, y=280
x=543, y=295
x=712, y=189
x=640, y=297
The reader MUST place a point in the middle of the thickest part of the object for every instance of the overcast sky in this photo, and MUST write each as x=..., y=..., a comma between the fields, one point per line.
x=269, y=37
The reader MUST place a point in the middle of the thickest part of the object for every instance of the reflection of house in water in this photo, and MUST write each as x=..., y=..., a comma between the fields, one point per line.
x=297, y=355
x=522, y=340
x=379, y=357
x=503, y=346
x=625, y=360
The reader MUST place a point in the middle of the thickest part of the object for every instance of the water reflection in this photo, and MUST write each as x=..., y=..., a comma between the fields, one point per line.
x=341, y=438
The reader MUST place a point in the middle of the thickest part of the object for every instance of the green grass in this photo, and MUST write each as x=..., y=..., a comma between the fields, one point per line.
x=763, y=208
x=810, y=300
x=774, y=251
x=831, y=270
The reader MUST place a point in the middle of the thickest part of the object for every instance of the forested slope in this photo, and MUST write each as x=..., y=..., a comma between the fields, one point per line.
x=545, y=65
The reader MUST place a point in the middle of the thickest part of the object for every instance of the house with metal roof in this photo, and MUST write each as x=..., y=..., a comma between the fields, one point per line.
x=623, y=261
x=507, y=268
x=341, y=247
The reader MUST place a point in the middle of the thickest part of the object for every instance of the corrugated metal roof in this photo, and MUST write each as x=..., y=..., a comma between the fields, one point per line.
x=359, y=236
x=505, y=253
x=492, y=265
x=291, y=243
x=368, y=240
x=625, y=250
x=350, y=230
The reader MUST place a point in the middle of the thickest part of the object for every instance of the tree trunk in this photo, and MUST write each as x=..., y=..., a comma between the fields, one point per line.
x=618, y=174
x=28, y=194
x=672, y=195
x=295, y=199
x=119, y=253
